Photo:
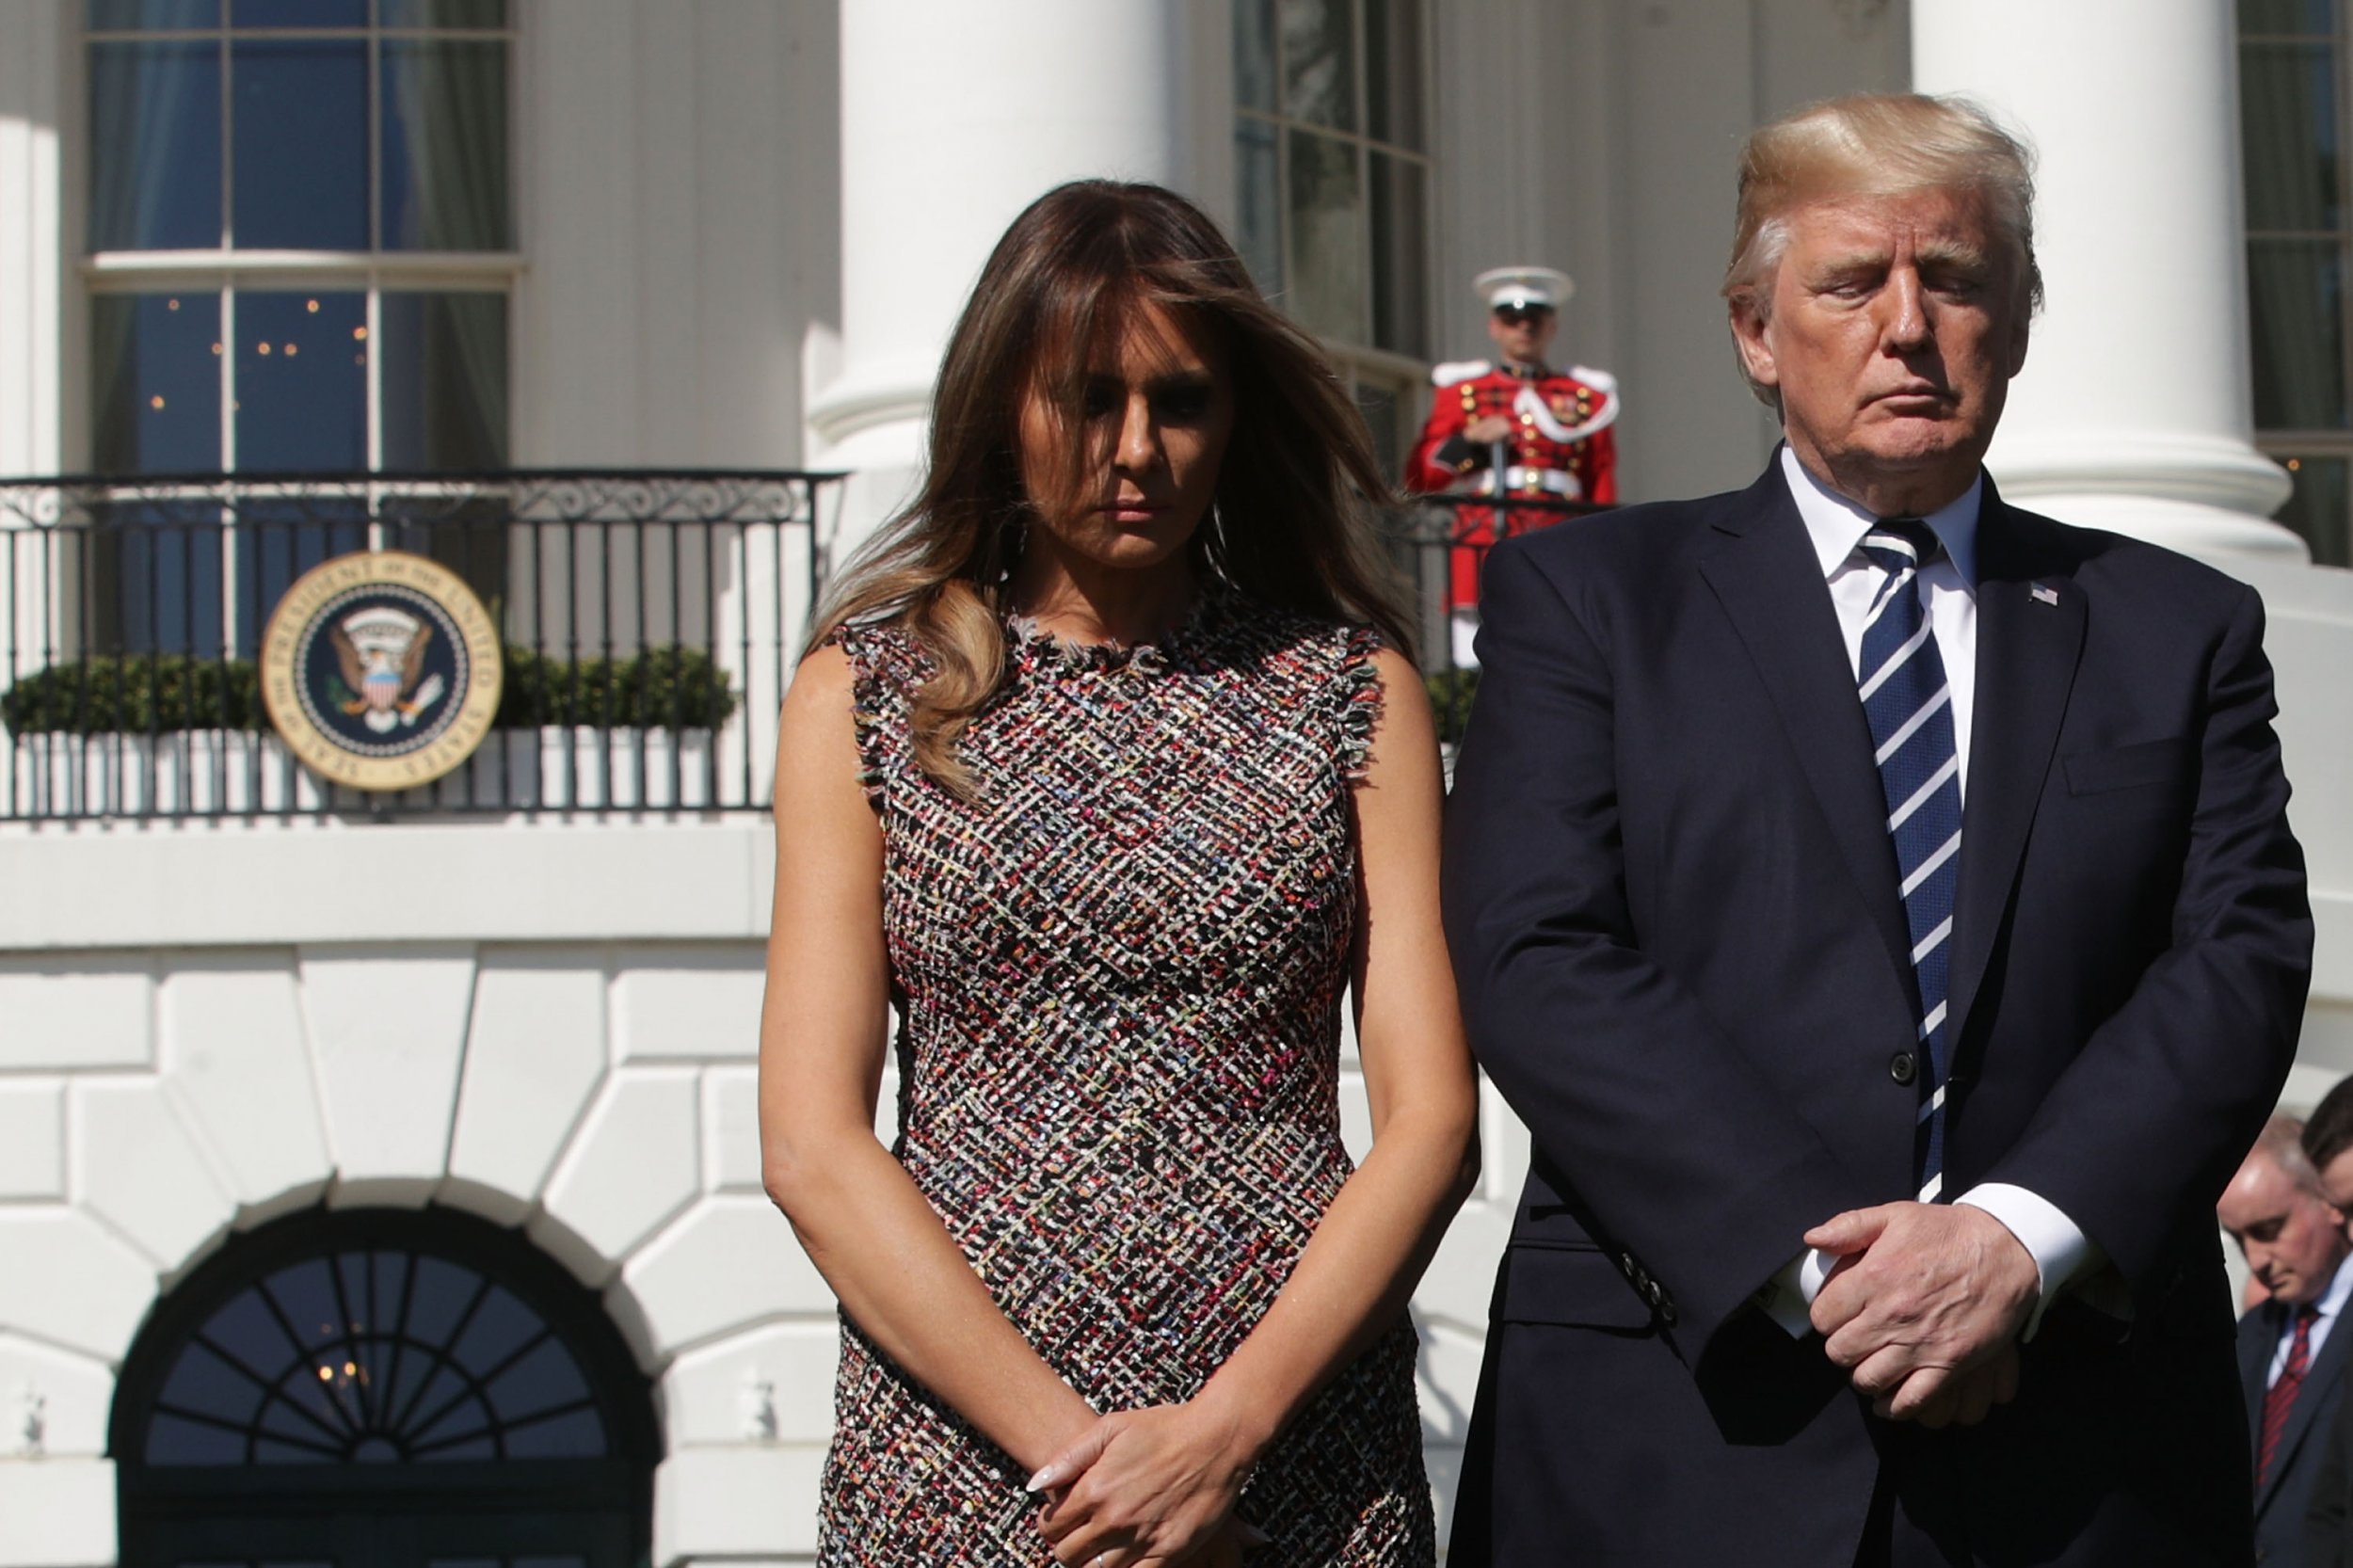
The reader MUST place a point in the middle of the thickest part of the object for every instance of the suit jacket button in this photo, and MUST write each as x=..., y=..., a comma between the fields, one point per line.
x=1903, y=1066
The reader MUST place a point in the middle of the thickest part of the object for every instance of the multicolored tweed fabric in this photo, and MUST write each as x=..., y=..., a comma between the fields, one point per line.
x=1121, y=968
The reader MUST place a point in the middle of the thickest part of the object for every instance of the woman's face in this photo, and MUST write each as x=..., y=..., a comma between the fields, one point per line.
x=1131, y=484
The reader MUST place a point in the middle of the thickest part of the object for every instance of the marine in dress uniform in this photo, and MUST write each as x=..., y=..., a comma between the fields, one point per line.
x=1553, y=427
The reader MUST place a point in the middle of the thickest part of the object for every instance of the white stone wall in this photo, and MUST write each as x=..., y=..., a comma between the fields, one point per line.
x=678, y=197
x=597, y=1095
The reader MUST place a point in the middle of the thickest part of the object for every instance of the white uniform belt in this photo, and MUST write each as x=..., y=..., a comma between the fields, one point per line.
x=1560, y=482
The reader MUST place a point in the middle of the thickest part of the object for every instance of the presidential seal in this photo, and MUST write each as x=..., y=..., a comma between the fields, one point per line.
x=380, y=670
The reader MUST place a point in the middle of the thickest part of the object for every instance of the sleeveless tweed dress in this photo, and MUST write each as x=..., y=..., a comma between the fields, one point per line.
x=1120, y=971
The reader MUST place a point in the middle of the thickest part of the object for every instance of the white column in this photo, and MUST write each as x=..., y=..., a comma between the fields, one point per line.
x=2134, y=413
x=954, y=117
x=33, y=287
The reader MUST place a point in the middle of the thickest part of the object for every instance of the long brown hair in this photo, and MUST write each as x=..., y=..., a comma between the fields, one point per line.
x=1292, y=492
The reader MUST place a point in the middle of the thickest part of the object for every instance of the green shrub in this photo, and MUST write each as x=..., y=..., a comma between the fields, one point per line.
x=1451, y=694
x=665, y=688
x=136, y=694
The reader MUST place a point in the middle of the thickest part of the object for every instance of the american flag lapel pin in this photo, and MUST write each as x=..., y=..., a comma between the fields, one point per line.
x=2042, y=593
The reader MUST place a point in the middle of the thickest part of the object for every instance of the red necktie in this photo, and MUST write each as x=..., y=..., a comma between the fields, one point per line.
x=2280, y=1397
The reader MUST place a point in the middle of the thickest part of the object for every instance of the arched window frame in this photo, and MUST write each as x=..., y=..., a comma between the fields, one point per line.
x=595, y=1512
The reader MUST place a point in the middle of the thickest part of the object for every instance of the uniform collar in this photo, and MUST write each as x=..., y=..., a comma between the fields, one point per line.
x=1836, y=526
x=1525, y=373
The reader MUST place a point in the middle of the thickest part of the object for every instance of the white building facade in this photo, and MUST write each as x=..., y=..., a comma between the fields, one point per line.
x=379, y=1176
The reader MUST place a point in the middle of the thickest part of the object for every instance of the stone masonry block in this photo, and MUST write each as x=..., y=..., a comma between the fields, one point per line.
x=635, y=1163
x=535, y=1055
x=53, y=1404
x=76, y=1010
x=691, y=1002
x=32, y=1139
x=1445, y=1463
x=388, y=1030
x=735, y=1503
x=137, y=1165
x=70, y=1282
x=728, y=1265
x=1503, y=1146
x=731, y=1130
x=1448, y=1380
x=60, y=1514
x=1356, y=1116
x=1461, y=1279
x=772, y=1384
x=234, y=1056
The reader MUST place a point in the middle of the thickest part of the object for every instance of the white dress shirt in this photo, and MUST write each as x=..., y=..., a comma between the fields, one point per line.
x=2331, y=1303
x=1948, y=590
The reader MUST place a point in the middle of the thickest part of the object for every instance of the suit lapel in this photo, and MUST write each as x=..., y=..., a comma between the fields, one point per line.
x=2255, y=1351
x=1765, y=574
x=2030, y=635
x=2327, y=1371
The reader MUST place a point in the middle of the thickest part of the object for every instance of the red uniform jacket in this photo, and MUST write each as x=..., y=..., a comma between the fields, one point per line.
x=1561, y=449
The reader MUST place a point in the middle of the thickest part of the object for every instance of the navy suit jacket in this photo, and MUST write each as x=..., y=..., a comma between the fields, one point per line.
x=2282, y=1496
x=1672, y=906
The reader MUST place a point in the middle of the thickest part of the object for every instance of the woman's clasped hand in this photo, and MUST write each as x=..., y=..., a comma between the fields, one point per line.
x=1150, y=1486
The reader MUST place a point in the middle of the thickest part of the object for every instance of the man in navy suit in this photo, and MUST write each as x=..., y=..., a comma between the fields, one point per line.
x=2291, y=1359
x=1878, y=901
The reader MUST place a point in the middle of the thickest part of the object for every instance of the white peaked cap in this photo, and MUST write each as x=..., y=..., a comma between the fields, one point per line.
x=1524, y=285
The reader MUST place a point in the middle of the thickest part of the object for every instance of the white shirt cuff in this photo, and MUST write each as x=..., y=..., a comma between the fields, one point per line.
x=2056, y=1243
x=1786, y=1297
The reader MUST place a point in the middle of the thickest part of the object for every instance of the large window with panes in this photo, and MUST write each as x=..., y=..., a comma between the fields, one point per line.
x=1333, y=178
x=2293, y=106
x=300, y=244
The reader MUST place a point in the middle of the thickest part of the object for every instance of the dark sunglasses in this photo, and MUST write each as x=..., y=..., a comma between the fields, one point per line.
x=1513, y=315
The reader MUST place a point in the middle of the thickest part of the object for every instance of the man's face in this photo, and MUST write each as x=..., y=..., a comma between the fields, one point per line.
x=1521, y=332
x=1890, y=328
x=2293, y=1240
x=2336, y=1179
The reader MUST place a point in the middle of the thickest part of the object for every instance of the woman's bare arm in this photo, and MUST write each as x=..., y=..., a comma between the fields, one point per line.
x=822, y=1038
x=1158, y=1477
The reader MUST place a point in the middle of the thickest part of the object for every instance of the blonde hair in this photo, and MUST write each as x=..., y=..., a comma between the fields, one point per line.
x=1292, y=528
x=1876, y=144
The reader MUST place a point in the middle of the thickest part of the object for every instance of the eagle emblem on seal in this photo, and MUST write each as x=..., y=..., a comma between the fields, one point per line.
x=381, y=651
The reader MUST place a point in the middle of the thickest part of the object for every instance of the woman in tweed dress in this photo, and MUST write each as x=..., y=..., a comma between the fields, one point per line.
x=1109, y=770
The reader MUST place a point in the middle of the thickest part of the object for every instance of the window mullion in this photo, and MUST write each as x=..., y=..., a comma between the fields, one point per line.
x=228, y=149
x=229, y=541
x=374, y=392
x=375, y=131
x=372, y=382
x=1360, y=88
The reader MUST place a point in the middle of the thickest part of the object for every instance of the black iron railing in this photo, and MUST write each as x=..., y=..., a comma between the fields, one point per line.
x=650, y=623
x=1441, y=543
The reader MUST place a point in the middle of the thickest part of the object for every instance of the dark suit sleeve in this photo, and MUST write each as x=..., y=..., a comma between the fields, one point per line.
x=2194, y=1059
x=1630, y=1088
x=2324, y=1514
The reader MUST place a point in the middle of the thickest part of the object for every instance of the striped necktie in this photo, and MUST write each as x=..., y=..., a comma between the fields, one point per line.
x=2279, y=1399
x=1910, y=709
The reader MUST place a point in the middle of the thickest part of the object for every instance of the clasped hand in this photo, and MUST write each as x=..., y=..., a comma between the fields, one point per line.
x=1141, y=1488
x=1923, y=1308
